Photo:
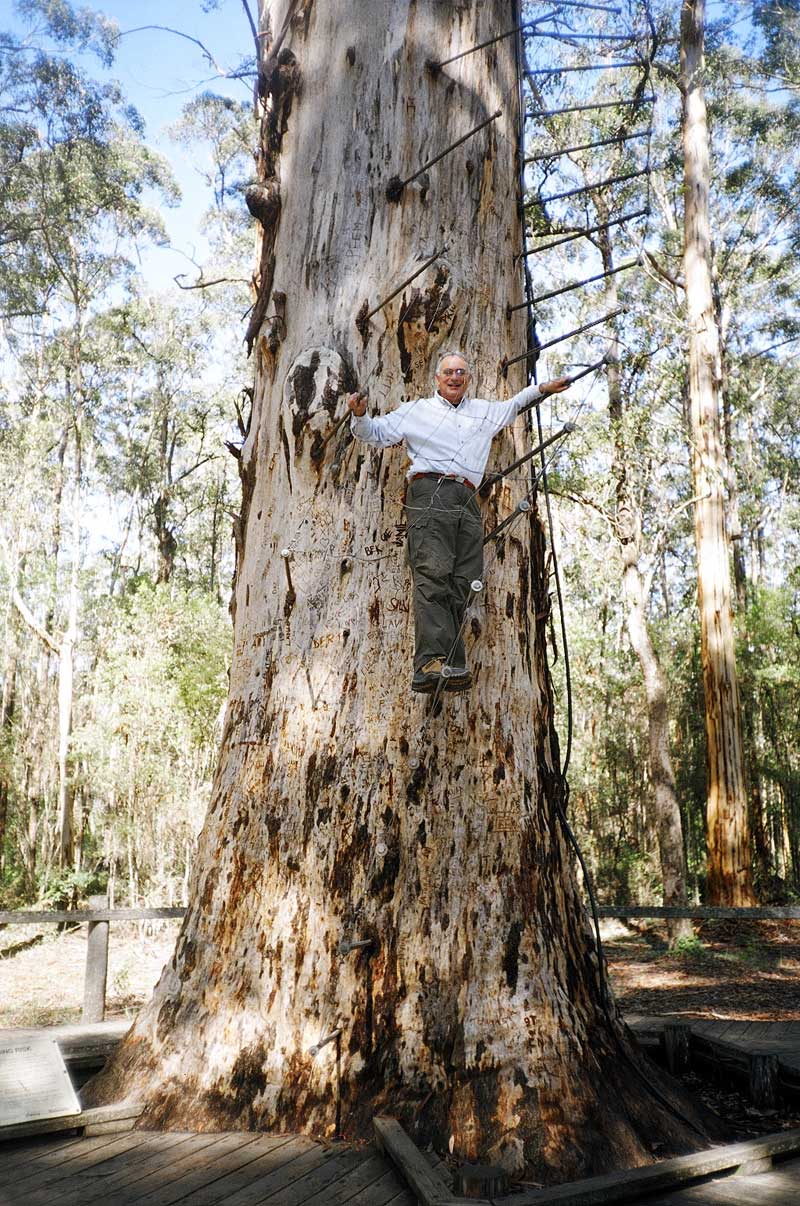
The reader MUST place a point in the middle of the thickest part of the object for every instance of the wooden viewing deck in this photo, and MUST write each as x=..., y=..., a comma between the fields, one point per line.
x=145, y=1168
x=239, y=1169
x=733, y=1046
x=765, y=1055
x=245, y=1169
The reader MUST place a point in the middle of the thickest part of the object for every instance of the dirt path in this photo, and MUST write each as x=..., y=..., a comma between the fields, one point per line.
x=735, y=970
x=41, y=970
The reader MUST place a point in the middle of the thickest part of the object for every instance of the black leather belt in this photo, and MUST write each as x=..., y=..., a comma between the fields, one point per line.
x=441, y=477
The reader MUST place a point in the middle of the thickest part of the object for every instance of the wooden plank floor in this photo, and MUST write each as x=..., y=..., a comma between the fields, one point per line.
x=71, y=1034
x=744, y=1038
x=781, y=1187
x=755, y=1036
x=145, y=1168
x=292, y=1170
x=159, y=1169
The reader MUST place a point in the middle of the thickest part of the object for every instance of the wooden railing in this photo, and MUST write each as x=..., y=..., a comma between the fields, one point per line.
x=701, y=912
x=98, y=917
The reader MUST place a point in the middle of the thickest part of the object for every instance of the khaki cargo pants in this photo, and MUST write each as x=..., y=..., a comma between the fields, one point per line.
x=445, y=552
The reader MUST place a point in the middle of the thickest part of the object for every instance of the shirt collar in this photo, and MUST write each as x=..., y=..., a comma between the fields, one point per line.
x=438, y=397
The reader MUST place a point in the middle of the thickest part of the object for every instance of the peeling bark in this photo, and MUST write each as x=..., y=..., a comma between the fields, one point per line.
x=341, y=809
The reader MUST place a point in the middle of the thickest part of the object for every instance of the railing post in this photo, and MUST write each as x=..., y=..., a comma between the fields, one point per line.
x=763, y=1074
x=677, y=1039
x=94, y=984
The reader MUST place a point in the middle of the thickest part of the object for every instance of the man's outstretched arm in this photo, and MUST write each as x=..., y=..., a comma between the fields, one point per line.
x=505, y=413
x=532, y=393
x=382, y=431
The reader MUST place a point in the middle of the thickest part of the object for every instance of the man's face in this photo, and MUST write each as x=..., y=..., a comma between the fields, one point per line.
x=452, y=379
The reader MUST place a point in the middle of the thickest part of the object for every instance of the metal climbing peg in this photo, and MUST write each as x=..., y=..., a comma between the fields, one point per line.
x=476, y=585
x=323, y=1042
x=355, y=944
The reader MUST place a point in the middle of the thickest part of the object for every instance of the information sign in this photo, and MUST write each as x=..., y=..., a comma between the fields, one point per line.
x=34, y=1082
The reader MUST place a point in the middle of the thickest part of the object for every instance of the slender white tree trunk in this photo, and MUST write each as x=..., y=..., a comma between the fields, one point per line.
x=66, y=687
x=664, y=808
x=729, y=862
x=343, y=810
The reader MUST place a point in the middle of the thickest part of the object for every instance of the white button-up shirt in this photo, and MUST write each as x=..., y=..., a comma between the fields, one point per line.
x=441, y=438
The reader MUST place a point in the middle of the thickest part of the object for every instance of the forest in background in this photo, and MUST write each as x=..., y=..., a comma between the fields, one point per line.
x=119, y=493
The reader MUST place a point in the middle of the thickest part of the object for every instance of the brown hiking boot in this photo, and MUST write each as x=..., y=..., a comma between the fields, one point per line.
x=427, y=679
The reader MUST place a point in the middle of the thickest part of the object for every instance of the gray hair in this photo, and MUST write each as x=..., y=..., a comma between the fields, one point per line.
x=446, y=355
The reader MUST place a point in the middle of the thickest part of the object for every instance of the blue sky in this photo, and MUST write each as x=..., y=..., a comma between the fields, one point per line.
x=159, y=72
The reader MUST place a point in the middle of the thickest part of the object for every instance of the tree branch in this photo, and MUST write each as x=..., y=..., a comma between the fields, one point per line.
x=662, y=272
x=31, y=621
x=179, y=34
x=670, y=73
x=253, y=29
x=201, y=284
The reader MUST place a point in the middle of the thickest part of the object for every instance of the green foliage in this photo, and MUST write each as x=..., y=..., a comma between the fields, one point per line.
x=688, y=947
x=625, y=483
x=114, y=410
x=779, y=25
x=226, y=128
x=81, y=28
x=76, y=172
x=68, y=888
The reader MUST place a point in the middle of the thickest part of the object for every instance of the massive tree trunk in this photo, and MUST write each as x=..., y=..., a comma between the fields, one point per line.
x=729, y=870
x=344, y=810
x=733, y=523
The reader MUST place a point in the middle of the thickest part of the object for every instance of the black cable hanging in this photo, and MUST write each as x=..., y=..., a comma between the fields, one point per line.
x=522, y=68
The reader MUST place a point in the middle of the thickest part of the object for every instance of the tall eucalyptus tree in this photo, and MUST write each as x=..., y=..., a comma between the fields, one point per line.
x=389, y=878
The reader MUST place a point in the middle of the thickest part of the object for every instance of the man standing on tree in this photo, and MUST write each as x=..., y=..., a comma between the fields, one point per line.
x=448, y=438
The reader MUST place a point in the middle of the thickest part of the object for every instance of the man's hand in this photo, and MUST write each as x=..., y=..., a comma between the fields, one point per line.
x=357, y=404
x=555, y=387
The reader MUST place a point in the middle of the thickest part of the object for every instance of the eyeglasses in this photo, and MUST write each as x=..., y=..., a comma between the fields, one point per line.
x=453, y=372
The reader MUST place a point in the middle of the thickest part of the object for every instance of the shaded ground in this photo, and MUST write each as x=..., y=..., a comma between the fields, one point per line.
x=735, y=971
x=742, y=971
